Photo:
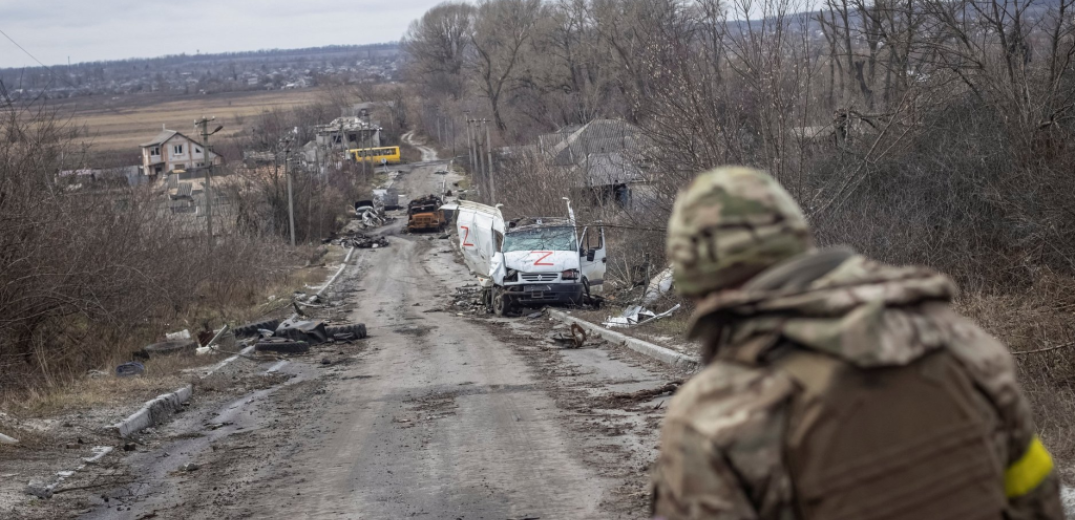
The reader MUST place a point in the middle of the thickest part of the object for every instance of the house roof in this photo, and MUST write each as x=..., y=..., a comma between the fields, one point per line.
x=596, y=137
x=160, y=138
x=165, y=135
x=606, y=169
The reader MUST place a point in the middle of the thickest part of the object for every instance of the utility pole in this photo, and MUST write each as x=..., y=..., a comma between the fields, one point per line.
x=470, y=145
x=489, y=149
x=290, y=198
x=483, y=184
x=207, y=155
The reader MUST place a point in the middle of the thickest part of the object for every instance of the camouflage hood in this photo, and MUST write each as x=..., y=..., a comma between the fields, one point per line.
x=868, y=313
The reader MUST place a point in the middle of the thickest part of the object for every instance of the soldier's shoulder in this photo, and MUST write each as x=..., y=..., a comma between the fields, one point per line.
x=728, y=400
x=987, y=358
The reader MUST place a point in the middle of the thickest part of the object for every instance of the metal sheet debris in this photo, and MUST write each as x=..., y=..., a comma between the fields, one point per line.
x=637, y=315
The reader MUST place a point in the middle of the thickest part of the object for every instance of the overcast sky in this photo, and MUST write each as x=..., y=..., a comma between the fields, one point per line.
x=91, y=30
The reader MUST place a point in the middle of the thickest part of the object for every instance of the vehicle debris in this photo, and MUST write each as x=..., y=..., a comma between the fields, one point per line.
x=281, y=345
x=4, y=439
x=361, y=241
x=309, y=331
x=370, y=212
x=637, y=315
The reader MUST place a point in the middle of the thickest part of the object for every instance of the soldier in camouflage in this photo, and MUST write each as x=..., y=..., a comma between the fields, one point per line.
x=834, y=387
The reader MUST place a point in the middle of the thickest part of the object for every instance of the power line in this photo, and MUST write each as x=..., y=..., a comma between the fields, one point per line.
x=21, y=48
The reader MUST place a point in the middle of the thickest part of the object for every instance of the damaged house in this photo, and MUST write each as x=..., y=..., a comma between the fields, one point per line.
x=602, y=156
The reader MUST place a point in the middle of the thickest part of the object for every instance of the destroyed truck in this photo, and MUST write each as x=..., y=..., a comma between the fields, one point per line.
x=531, y=261
x=425, y=214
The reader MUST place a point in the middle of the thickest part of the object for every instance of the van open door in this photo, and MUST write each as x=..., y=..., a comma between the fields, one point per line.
x=481, y=233
x=592, y=257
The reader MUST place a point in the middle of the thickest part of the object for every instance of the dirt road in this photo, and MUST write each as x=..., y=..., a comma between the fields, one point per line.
x=442, y=413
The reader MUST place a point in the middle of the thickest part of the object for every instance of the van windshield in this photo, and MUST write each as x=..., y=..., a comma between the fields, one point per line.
x=553, y=238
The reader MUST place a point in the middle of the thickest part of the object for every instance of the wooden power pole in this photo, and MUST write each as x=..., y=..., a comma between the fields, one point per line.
x=208, y=168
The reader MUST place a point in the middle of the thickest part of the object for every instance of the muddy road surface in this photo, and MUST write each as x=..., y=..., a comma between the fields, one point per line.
x=443, y=413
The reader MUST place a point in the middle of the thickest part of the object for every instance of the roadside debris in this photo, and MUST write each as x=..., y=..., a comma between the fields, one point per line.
x=177, y=336
x=370, y=212
x=39, y=488
x=627, y=398
x=658, y=286
x=132, y=368
x=312, y=332
x=4, y=439
x=282, y=345
x=575, y=338
x=637, y=315
x=170, y=347
x=361, y=241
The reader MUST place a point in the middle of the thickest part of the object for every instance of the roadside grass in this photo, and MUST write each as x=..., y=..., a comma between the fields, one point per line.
x=163, y=374
x=166, y=373
x=1039, y=318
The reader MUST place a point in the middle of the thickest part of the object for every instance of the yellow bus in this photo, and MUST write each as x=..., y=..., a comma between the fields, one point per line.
x=390, y=154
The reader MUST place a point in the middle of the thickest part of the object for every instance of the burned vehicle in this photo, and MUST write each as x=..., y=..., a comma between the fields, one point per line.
x=530, y=261
x=425, y=214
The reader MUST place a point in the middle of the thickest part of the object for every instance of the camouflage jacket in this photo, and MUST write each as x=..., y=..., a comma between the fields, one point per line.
x=723, y=438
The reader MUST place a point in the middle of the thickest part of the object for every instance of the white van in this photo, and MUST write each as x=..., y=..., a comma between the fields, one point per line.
x=532, y=261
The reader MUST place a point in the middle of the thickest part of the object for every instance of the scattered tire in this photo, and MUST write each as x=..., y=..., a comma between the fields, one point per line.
x=132, y=368
x=285, y=346
x=167, y=348
x=358, y=329
x=251, y=329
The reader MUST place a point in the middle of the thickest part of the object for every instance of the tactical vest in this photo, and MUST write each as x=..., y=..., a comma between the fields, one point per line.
x=890, y=443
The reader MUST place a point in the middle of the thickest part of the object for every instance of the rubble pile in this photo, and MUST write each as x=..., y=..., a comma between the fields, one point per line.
x=361, y=241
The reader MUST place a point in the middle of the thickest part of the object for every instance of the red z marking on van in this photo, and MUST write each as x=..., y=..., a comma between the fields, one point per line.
x=465, y=236
x=539, y=260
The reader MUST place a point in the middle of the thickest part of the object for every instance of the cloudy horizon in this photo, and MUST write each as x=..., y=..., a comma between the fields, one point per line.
x=110, y=29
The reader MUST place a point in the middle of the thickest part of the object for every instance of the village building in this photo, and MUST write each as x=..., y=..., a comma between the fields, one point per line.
x=348, y=133
x=171, y=151
x=602, y=155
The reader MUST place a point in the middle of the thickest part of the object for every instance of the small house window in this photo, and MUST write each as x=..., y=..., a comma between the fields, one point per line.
x=177, y=149
x=197, y=150
x=155, y=151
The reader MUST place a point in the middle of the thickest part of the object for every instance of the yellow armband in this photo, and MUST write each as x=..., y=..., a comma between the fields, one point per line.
x=1027, y=473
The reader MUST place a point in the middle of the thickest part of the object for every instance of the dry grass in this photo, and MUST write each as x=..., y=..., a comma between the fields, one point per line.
x=119, y=124
x=164, y=374
x=1038, y=318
